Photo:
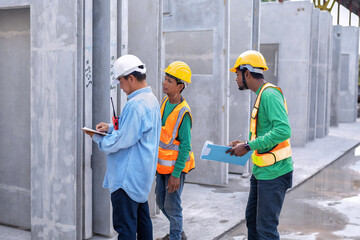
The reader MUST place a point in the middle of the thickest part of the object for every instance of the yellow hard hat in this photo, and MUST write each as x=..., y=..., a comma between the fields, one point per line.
x=253, y=58
x=179, y=70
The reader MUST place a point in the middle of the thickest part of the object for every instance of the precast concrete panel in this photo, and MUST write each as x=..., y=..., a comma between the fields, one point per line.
x=102, y=210
x=289, y=25
x=144, y=41
x=335, y=76
x=329, y=74
x=15, y=161
x=56, y=119
x=241, y=28
x=88, y=83
x=349, y=74
x=322, y=92
x=207, y=93
x=314, y=68
x=144, y=38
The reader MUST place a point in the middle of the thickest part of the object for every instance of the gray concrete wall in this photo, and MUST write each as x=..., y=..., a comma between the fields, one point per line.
x=88, y=83
x=15, y=160
x=240, y=27
x=349, y=74
x=335, y=76
x=144, y=39
x=329, y=73
x=289, y=25
x=323, y=76
x=315, y=36
x=102, y=211
x=56, y=119
x=144, y=31
x=209, y=107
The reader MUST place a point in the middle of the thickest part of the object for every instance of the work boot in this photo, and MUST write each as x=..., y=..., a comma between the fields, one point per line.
x=167, y=237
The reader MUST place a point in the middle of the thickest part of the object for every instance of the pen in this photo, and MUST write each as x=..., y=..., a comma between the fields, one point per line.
x=237, y=138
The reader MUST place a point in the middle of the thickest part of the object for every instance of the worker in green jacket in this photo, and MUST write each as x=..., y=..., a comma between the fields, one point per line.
x=270, y=133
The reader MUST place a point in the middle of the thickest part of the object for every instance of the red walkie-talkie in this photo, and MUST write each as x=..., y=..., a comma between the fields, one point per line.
x=114, y=118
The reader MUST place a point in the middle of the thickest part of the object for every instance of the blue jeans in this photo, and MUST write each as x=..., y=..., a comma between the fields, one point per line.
x=264, y=205
x=130, y=217
x=170, y=203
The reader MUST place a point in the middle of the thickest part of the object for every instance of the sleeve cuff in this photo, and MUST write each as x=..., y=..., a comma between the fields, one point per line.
x=111, y=128
x=176, y=173
x=252, y=145
x=96, y=138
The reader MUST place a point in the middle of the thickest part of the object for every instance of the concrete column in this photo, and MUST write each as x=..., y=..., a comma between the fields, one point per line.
x=56, y=118
x=322, y=74
x=349, y=74
x=289, y=25
x=113, y=54
x=255, y=38
x=144, y=31
x=88, y=83
x=102, y=211
x=335, y=76
x=314, y=69
x=122, y=35
x=329, y=74
x=241, y=21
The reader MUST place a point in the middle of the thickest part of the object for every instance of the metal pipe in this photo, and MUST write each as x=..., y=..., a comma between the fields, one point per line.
x=350, y=8
x=338, y=13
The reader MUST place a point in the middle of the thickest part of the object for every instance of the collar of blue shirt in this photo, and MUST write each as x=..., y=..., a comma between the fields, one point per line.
x=137, y=92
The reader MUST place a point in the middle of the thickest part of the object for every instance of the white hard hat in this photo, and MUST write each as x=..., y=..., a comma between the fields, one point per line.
x=127, y=64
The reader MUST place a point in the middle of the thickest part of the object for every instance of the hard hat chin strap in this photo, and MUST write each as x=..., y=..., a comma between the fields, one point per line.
x=243, y=75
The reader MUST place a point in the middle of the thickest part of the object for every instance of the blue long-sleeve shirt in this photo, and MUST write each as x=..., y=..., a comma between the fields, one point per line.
x=132, y=150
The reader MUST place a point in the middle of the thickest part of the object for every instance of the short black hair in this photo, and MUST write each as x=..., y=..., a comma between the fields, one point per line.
x=138, y=75
x=257, y=75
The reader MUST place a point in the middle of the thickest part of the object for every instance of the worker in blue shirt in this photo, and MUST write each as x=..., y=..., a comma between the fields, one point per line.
x=132, y=151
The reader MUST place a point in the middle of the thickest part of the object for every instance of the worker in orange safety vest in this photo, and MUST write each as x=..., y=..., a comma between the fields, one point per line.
x=175, y=158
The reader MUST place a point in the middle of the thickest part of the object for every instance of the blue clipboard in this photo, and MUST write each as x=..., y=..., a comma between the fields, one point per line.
x=214, y=152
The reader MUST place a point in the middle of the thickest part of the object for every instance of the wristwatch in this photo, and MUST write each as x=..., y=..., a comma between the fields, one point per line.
x=247, y=146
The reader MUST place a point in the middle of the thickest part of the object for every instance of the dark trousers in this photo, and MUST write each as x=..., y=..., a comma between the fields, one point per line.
x=264, y=205
x=130, y=217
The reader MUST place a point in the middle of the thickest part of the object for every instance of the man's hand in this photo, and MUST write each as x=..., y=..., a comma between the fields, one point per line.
x=234, y=143
x=173, y=184
x=102, y=127
x=239, y=150
x=89, y=133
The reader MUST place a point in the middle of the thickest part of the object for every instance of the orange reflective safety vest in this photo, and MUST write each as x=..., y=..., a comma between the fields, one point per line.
x=169, y=146
x=280, y=151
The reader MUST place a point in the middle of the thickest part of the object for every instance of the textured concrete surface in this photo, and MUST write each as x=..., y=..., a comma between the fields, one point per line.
x=349, y=74
x=294, y=58
x=209, y=211
x=215, y=210
x=191, y=17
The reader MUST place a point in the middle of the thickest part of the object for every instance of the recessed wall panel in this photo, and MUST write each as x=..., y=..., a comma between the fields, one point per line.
x=15, y=157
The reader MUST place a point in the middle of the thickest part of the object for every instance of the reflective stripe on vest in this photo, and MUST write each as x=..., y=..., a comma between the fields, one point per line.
x=169, y=146
x=281, y=151
x=171, y=162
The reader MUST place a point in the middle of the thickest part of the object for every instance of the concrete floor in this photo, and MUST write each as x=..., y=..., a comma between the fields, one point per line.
x=211, y=211
x=324, y=207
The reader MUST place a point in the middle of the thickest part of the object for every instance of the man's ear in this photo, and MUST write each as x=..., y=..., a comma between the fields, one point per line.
x=181, y=86
x=247, y=73
x=132, y=78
